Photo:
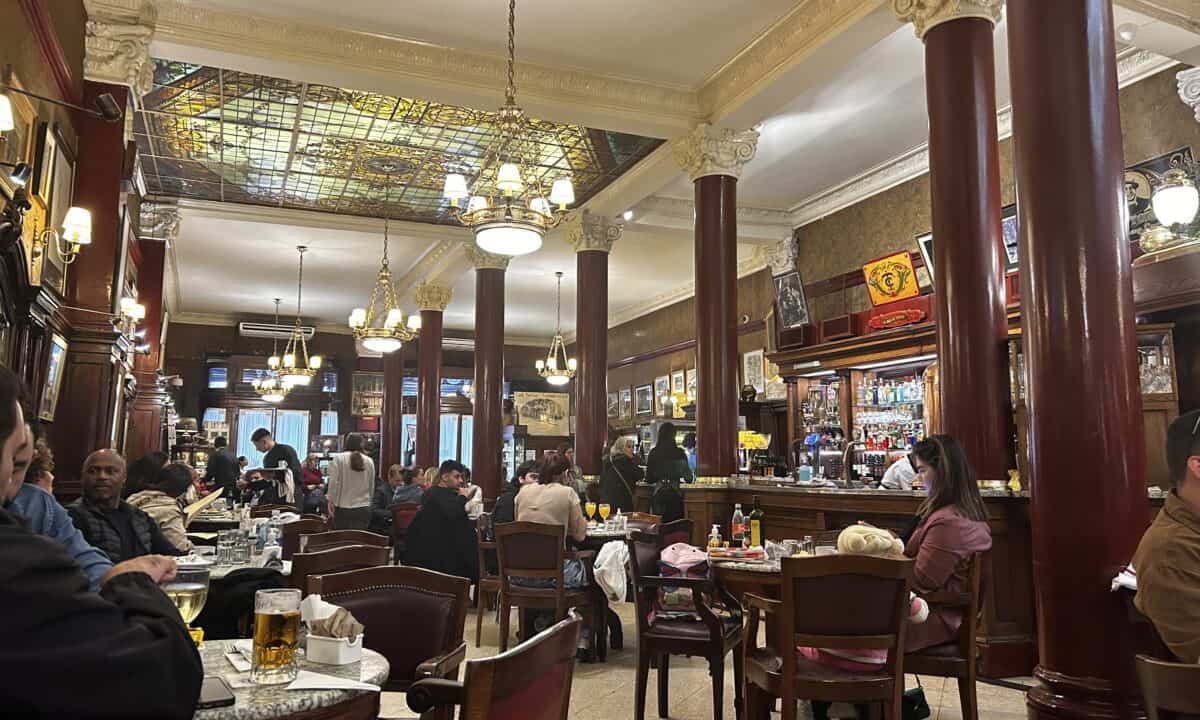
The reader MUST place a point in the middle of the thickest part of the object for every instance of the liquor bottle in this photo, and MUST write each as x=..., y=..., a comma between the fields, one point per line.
x=737, y=531
x=756, y=525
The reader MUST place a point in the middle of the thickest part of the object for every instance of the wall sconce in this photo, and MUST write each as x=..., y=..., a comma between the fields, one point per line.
x=76, y=232
x=132, y=312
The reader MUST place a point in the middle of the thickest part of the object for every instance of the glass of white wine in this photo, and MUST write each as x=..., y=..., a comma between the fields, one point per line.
x=189, y=592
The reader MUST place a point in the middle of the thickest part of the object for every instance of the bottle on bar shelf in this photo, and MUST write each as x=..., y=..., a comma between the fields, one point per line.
x=756, y=525
x=737, y=527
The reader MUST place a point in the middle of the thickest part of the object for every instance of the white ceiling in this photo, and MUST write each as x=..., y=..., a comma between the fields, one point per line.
x=656, y=41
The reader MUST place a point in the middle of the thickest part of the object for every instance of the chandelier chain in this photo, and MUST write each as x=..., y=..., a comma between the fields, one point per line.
x=558, y=309
x=511, y=93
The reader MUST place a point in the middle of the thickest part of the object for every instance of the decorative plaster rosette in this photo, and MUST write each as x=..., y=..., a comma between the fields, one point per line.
x=927, y=14
x=707, y=150
x=587, y=231
x=432, y=296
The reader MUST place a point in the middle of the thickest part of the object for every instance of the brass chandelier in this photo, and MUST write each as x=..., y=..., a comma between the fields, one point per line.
x=297, y=367
x=557, y=368
x=272, y=388
x=508, y=208
x=393, y=333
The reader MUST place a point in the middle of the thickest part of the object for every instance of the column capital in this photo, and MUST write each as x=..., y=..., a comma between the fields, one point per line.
x=158, y=222
x=1189, y=89
x=118, y=43
x=927, y=14
x=588, y=231
x=781, y=256
x=482, y=259
x=707, y=150
x=432, y=296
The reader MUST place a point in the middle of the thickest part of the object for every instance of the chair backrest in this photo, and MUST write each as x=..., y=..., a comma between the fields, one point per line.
x=409, y=615
x=1169, y=688
x=530, y=550
x=402, y=517
x=644, y=551
x=292, y=532
x=341, y=538
x=323, y=562
x=265, y=510
x=530, y=682
x=646, y=518
x=484, y=532
x=846, y=601
x=676, y=531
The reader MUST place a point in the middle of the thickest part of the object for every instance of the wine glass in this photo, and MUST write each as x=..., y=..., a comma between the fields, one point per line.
x=189, y=591
x=604, y=511
x=590, y=508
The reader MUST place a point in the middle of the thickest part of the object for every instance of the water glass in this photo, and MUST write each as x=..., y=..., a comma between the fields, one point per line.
x=276, y=636
x=226, y=540
x=241, y=554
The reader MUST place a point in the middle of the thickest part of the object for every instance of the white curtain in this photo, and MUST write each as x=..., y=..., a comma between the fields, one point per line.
x=248, y=422
x=468, y=423
x=448, y=442
x=329, y=422
x=291, y=428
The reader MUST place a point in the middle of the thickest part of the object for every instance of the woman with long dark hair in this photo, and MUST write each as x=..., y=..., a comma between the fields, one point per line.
x=667, y=461
x=159, y=499
x=351, y=481
x=952, y=528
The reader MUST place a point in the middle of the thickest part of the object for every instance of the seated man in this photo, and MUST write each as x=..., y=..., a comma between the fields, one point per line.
x=1167, y=560
x=68, y=652
x=399, y=488
x=47, y=518
x=108, y=522
x=441, y=536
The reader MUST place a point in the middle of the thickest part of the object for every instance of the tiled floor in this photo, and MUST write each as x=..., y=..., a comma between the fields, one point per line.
x=603, y=691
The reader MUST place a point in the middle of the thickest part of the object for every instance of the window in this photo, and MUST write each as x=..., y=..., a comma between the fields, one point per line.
x=213, y=416
x=218, y=377
x=248, y=422
x=249, y=375
x=408, y=436
x=291, y=428
x=448, y=438
x=468, y=425
x=329, y=422
x=329, y=384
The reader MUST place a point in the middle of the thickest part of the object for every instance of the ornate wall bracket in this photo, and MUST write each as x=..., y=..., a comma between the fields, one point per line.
x=118, y=43
x=707, y=150
x=432, y=296
x=928, y=14
x=588, y=231
x=158, y=222
x=1189, y=89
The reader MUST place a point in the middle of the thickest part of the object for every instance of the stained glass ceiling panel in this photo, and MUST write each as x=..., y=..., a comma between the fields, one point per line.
x=223, y=135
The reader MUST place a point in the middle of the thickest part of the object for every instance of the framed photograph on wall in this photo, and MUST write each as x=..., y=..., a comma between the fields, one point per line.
x=43, y=169
x=614, y=405
x=54, y=272
x=544, y=413
x=925, y=246
x=789, y=296
x=1008, y=233
x=691, y=384
x=678, y=382
x=643, y=400
x=626, y=403
x=753, y=371
x=54, y=376
x=662, y=388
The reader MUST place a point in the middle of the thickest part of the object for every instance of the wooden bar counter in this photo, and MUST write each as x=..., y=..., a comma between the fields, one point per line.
x=1007, y=636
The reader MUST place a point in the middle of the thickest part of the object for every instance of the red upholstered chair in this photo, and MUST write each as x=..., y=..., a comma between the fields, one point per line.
x=341, y=538
x=292, y=532
x=402, y=517
x=325, y=562
x=530, y=682
x=412, y=616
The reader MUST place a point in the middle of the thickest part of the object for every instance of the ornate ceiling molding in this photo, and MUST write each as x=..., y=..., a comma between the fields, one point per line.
x=1189, y=89
x=158, y=222
x=484, y=260
x=117, y=43
x=1180, y=13
x=928, y=14
x=432, y=296
x=708, y=150
x=1132, y=65
x=588, y=231
x=754, y=224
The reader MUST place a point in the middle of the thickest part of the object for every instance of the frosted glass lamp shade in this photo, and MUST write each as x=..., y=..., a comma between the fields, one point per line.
x=511, y=240
x=562, y=193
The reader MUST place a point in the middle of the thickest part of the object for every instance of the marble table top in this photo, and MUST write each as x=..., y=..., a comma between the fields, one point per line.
x=266, y=702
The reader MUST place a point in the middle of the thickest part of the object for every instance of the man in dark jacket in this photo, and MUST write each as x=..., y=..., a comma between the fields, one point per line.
x=109, y=523
x=222, y=469
x=506, y=505
x=71, y=653
x=441, y=536
x=277, y=453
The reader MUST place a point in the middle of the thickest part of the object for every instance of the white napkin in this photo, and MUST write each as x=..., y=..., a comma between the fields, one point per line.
x=306, y=680
x=238, y=662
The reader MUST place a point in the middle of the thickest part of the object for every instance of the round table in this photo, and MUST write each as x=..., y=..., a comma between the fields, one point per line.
x=266, y=702
x=213, y=522
x=763, y=579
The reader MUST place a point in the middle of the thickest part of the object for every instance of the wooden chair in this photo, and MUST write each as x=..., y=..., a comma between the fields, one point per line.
x=850, y=602
x=642, y=521
x=536, y=551
x=259, y=511
x=412, y=616
x=959, y=657
x=676, y=531
x=341, y=538
x=292, y=532
x=402, y=517
x=489, y=584
x=324, y=562
x=712, y=637
x=531, y=681
x=1171, y=690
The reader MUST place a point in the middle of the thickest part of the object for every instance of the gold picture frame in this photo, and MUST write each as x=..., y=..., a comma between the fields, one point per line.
x=55, y=366
x=17, y=144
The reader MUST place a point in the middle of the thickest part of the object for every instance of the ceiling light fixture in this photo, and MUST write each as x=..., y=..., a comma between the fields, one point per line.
x=628, y=215
x=508, y=208
x=557, y=368
x=392, y=333
x=297, y=367
x=271, y=387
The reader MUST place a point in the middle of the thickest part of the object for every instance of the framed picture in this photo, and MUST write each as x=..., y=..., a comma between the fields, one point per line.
x=626, y=403
x=614, y=405
x=891, y=278
x=1008, y=234
x=54, y=376
x=678, y=382
x=18, y=142
x=61, y=196
x=643, y=400
x=544, y=413
x=753, y=371
x=43, y=169
x=925, y=246
x=35, y=222
x=691, y=384
x=789, y=295
x=662, y=388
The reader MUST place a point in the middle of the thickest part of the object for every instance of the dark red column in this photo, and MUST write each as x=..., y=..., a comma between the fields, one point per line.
x=972, y=328
x=593, y=237
x=716, y=326
x=487, y=429
x=432, y=300
x=391, y=423
x=1086, y=451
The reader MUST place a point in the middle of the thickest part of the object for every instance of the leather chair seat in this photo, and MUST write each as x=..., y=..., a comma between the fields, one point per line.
x=766, y=666
x=689, y=629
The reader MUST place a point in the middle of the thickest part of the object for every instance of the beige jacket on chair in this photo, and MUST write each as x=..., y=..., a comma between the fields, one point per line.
x=165, y=511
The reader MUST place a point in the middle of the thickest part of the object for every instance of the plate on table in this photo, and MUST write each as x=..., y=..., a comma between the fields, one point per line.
x=194, y=561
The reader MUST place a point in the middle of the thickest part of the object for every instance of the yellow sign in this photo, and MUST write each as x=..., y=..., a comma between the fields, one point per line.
x=891, y=278
x=750, y=440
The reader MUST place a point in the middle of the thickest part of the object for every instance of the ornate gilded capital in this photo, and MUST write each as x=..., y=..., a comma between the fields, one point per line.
x=1189, y=89
x=586, y=231
x=781, y=257
x=158, y=221
x=927, y=14
x=118, y=43
x=707, y=150
x=432, y=296
x=484, y=260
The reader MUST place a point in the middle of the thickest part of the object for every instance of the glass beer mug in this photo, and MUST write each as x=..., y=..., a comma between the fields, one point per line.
x=276, y=636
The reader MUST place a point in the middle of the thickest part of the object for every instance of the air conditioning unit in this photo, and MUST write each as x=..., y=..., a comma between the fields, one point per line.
x=271, y=331
x=458, y=344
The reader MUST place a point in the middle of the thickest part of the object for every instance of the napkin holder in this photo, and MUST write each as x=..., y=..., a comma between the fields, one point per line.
x=334, y=651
